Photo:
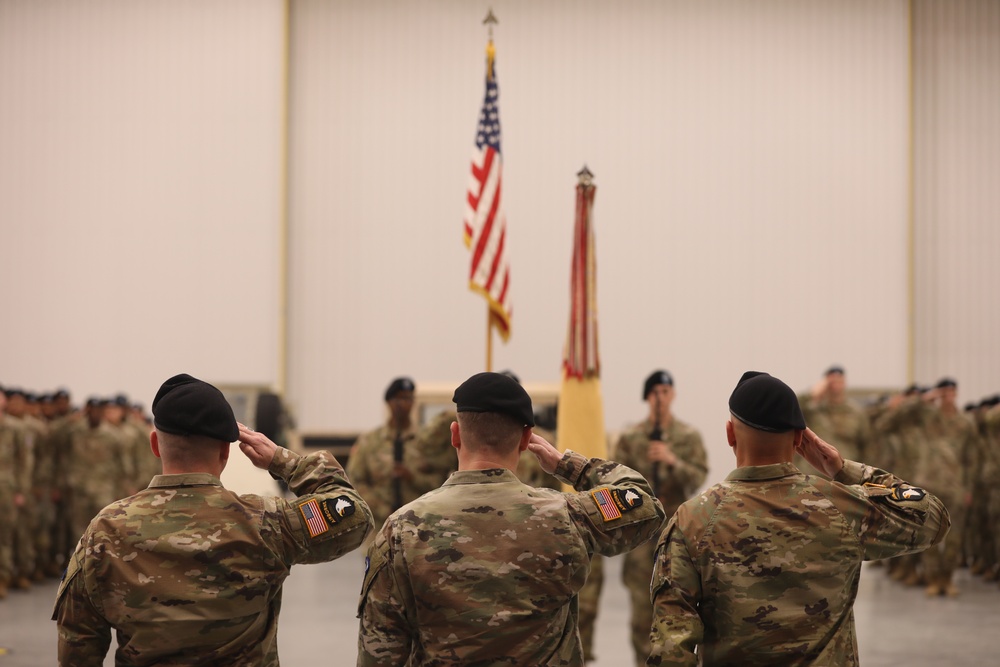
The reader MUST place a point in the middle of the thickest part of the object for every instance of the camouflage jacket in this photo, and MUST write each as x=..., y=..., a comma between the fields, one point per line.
x=763, y=568
x=189, y=573
x=676, y=483
x=370, y=467
x=486, y=570
x=98, y=465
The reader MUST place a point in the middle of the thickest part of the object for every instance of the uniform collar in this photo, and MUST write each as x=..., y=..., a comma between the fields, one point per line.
x=186, y=479
x=756, y=473
x=490, y=476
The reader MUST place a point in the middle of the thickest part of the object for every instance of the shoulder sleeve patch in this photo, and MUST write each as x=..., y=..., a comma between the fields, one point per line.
x=337, y=509
x=910, y=493
x=313, y=517
x=377, y=558
x=606, y=505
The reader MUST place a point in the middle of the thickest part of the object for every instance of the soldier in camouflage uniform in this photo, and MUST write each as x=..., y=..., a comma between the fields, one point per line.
x=9, y=495
x=990, y=476
x=836, y=419
x=763, y=568
x=95, y=467
x=24, y=465
x=187, y=572
x=676, y=466
x=384, y=483
x=486, y=570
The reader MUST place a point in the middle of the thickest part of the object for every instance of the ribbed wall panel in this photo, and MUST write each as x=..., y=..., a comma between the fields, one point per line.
x=751, y=207
x=139, y=192
x=957, y=110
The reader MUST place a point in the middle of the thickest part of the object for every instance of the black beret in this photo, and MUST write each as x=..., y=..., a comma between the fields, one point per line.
x=945, y=382
x=656, y=378
x=494, y=392
x=61, y=393
x=120, y=399
x=94, y=401
x=766, y=403
x=398, y=385
x=187, y=406
x=511, y=375
x=13, y=391
x=834, y=369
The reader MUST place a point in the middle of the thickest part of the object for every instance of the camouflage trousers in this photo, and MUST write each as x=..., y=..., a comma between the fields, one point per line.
x=590, y=597
x=637, y=571
x=8, y=519
x=941, y=560
x=45, y=516
x=24, y=540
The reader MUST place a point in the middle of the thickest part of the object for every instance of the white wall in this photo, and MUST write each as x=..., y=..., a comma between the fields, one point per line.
x=957, y=53
x=750, y=160
x=139, y=200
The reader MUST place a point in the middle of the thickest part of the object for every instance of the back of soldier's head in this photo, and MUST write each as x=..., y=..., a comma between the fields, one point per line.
x=493, y=411
x=765, y=409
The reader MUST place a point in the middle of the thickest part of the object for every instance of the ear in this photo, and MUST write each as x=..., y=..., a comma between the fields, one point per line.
x=525, y=439
x=731, y=434
x=154, y=444
x=224, y=453
x=456, y=436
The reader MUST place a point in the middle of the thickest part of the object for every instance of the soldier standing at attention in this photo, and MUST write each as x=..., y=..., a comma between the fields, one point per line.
x=187, y=572
x=384, y=465
x=670, y=454
x=835, y=419
x=763, y=568
x=485, y=570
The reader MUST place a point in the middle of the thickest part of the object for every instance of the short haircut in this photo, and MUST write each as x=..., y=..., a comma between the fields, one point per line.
x=187, y=451
x=490, y=430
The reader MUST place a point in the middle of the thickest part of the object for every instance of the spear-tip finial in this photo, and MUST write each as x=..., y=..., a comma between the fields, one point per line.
x=585, y=176
x=490, y=20
x=491, y=53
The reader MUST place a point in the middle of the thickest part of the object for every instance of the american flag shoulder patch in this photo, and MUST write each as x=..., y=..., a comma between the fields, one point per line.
x=606, y=504
x=315, y=522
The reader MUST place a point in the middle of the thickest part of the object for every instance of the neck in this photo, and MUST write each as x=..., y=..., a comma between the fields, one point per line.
x=949, y=408
x=488, y=462
x=399, y=424
x=752, y=456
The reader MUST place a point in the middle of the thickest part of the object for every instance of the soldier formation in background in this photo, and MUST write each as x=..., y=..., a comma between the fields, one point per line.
x=58, y=467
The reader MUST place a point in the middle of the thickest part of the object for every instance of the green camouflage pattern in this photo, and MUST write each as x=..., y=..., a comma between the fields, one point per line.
x=676, y=485
x=189, y=573
x=96, y=468
x=9, y=480
x=486, y=570
x=370, y=467
x=763, y=568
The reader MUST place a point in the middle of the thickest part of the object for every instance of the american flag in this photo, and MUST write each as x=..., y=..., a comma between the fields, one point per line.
x=606, y=504
x=314, y=519
x=485, y=224
x=580, y=358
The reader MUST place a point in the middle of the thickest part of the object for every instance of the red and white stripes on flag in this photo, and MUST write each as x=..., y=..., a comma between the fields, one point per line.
x=485, y=226
x=580, y=359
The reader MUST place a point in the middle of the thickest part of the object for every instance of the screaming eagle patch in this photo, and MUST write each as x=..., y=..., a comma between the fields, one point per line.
x=337, y=509
x=626, y=499
x=910, y=493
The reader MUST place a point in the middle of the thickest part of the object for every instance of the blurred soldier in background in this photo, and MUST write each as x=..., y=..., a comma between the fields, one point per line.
x=836, y=419
x=670, y=454
x=24, y=465
x=96, y=466
x=10, y=494
x=385, y=466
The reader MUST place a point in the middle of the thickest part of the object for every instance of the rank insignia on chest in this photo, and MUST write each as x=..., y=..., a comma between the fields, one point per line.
x=315, y=522
x=606, y=504
x=337, y=509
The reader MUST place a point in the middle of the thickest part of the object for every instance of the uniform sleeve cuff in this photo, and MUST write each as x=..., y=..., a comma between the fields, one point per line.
x=283, y=464
x=852, y=473
x=571, y=466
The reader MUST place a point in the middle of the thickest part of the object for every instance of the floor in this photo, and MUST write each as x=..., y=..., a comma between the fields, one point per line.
x=896, y=625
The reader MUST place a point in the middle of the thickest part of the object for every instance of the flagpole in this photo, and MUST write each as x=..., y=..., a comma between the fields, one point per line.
x=489, y=339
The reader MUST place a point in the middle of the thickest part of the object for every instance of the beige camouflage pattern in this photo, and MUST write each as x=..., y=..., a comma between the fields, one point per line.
x=9, y=445
x=763, y=568
x=676, y=484
x=189, y=573
x=486, y=570
x=843, y=425
x=370, y=467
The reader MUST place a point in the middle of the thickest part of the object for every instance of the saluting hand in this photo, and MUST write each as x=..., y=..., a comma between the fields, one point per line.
x=820, y=454
x=257, y=447
x=548, y=456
